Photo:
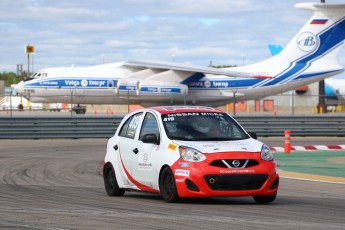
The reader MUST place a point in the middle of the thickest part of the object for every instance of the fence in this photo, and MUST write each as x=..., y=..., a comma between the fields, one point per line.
x=105, y=127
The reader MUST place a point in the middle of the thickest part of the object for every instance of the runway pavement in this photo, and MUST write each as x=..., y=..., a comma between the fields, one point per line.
x=57, y=184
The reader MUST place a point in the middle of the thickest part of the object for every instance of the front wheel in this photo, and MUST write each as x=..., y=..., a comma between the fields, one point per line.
x=110, y=183
x=264, y=199
x=167, y=186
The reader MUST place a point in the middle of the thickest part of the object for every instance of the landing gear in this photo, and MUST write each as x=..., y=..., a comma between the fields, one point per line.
x=79, y=109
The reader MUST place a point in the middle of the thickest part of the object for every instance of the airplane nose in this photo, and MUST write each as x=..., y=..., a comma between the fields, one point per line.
x=19, y=87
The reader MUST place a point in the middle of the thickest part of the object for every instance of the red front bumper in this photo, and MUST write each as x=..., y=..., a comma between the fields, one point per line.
x=212, y=178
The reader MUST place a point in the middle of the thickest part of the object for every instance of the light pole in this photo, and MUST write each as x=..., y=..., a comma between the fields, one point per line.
x=29, y=50
x=72, y=91
x=11, y=103
x=234, y=106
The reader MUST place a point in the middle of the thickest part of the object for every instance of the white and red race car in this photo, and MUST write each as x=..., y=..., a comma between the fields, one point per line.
x=188, y=151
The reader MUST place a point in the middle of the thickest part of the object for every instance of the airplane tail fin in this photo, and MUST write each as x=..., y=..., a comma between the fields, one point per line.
x=314, y=48
x=275, y=49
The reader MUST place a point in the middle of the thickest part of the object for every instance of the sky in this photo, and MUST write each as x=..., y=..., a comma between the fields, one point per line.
x=91, y=32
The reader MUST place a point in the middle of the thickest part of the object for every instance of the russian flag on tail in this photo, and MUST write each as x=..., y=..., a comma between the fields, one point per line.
x=319, y=21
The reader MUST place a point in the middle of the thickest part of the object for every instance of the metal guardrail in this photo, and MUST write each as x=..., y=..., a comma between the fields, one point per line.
x=105, y=127
x=298, y=125
x=58, y=127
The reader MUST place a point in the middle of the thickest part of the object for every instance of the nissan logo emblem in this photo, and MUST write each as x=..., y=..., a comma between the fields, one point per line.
x=236, y=163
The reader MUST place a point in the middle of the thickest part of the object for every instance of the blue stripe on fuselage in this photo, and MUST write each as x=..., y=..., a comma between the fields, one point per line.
x=70, y=83
x=223, y=84
x=304, y=76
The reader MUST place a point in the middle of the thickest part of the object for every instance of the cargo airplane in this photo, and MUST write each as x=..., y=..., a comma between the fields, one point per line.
x=309, y=57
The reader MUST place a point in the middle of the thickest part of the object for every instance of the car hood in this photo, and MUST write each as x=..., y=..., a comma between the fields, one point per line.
x=247, y=145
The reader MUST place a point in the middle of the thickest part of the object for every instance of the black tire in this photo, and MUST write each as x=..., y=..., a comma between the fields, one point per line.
x=110, y=183
x=167, y=186
x=264, y=199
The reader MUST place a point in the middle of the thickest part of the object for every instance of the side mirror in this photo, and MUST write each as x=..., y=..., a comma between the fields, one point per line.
x=151, y=139
x=253, y=135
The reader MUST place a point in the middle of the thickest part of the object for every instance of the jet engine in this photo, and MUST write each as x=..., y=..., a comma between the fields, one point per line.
x=142, y=88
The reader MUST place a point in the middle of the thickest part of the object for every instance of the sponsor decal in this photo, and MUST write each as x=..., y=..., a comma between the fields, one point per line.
x=210, y=84
x=97, y=83
x=207, y=84
x=72, y=82
x=172, y=108
x=170, y=90
x=145, y=157
x=172, y=146
x=237, y=171
x=319, y=21
x=184, y=164
x=307, y=42
x=84, y=83
x=220, y=84
x=127, y=87
x=225, y=143
x=49, y=83
x=179, y=180
x=151, y=89
x=143, y=164
x=181, y=172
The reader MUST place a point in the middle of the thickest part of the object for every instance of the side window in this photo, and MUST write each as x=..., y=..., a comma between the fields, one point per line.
x=231, y=129
x=130, y=126
x=150, y=126
x=124, y=128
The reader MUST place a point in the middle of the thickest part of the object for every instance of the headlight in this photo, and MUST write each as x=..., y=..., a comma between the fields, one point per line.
x=189, y=154
x=266, y=153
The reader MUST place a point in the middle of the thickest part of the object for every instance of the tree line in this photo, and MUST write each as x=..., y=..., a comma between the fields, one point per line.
x=9, y=78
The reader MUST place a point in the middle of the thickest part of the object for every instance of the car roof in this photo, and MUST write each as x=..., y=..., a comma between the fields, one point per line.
x=184, y=109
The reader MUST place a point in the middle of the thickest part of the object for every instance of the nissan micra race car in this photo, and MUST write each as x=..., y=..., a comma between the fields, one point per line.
x=183, y=152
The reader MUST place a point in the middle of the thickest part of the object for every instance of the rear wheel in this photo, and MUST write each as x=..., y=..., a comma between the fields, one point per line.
x=167, y=186
x=110, y=183
x=264, y=199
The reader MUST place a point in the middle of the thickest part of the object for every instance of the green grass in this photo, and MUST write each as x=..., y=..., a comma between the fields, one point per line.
x=313, y=162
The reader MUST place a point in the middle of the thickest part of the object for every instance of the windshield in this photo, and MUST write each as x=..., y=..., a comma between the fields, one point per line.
x=202, y=126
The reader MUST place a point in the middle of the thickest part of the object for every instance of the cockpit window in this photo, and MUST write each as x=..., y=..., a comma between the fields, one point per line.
x=39, y=75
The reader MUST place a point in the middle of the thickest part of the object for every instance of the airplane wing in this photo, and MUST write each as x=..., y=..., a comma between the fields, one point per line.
x=184, y=71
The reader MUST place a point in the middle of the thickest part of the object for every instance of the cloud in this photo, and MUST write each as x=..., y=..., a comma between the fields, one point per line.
x=194, y=31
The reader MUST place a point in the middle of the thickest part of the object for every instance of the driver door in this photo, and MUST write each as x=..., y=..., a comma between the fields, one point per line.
x=145, y=170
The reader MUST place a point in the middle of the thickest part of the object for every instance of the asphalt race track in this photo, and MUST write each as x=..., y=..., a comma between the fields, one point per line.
x=57, y=184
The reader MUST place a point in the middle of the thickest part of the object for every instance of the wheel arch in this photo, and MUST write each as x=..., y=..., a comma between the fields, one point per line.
x=105, y=164
x=160, y=174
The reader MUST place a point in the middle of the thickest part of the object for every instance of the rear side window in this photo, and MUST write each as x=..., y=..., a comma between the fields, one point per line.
x=129, y=128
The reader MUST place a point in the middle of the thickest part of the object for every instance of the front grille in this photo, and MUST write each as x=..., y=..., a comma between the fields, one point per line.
x=234, y=163
x=235, y=182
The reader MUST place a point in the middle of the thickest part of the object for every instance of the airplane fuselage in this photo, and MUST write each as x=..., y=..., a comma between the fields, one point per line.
x=210, y=90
